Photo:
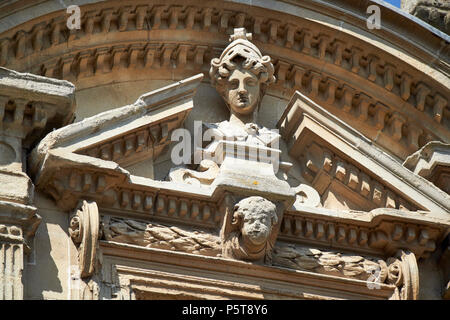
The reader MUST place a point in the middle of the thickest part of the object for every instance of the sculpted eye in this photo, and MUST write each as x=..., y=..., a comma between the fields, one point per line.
x=252, y=82
x=234, y=84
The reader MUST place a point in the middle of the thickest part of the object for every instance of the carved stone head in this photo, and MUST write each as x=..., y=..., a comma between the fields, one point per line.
x=241, y=74
x=255, y=216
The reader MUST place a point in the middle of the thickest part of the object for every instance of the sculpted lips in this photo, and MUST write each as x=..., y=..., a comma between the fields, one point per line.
x=257, y=233
x=243, y=99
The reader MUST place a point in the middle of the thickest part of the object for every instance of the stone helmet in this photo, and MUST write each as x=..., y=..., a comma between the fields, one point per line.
x=241, y=52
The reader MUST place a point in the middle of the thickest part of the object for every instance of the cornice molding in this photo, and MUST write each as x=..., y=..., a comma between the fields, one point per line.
x=304, y=120
x=153, y=116
x=329, y=67
x=402, y=278
x=381, y=232
x=70, y=177
x=32, y=105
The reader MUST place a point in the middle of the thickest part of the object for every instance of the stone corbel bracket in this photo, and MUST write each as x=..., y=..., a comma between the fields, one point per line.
x=103, y=143
x=355, y=162
x=85, y=231
x=231, y=233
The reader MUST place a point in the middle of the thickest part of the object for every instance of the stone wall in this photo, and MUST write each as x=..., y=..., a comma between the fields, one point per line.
x=53, y=260
x=379, y=98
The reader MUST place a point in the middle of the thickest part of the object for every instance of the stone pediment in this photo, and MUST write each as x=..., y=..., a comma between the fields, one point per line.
x=348, y=171
x=104, y=143
x=64, y=169
x=80, y=162
x=369, y=211
x=338, y=69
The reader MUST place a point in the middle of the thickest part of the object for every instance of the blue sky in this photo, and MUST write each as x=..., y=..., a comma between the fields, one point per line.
x=394, y=2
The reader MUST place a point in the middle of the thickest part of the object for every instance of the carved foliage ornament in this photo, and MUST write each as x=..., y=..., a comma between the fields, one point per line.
x=401, y=270
x=155, y=235
x=84, y=231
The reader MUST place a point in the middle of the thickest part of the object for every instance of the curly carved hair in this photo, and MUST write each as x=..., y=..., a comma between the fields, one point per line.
x=254, y=203
x=221, y=69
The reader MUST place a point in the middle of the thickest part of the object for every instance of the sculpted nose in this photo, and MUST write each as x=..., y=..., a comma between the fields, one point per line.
x=242, y=88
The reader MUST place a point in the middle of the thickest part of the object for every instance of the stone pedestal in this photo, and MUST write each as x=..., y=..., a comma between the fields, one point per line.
x=249, y=161
x=255, y=177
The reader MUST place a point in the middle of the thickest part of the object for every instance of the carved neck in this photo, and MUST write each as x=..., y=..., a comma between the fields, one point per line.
x=241, y=120
x=252, y=249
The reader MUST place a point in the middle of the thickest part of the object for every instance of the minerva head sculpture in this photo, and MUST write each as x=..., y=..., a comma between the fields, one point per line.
x=241, y=75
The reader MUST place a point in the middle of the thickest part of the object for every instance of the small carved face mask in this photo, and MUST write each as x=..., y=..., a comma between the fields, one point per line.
x=242, y=91
x=256, y=227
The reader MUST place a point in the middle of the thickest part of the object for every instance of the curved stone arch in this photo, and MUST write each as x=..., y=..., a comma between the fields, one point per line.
x=380, y=95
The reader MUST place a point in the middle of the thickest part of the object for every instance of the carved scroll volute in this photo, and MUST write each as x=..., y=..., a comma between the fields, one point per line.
x=280, y=206
x=84, y=231
x=403, y=272
x=227, y=206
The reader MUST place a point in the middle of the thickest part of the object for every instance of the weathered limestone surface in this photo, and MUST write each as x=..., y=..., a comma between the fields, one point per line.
x=432, y=162
x=18, y=223
x=161, y=236
x=16, y=186
x=434, y=12
x=53, y=261
x=336, y=158
x=30, y=106
x=323, y=210
x=240, y=204
x=390, y=76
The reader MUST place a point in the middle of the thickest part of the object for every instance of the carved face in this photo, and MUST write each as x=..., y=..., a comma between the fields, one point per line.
x=242, y=91
x=256, y=227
